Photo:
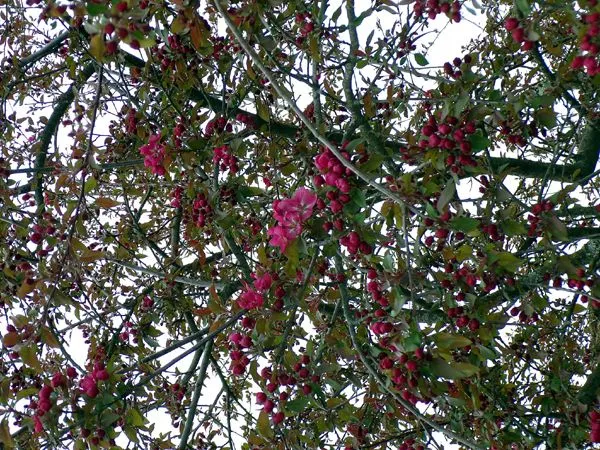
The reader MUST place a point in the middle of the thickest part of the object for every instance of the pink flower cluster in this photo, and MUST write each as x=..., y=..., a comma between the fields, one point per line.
x=290, y=213
x=217, y=126
x=44, y=403
x=89, y=383
x=223, y=157
x=263, y=282
x=154, y=154
x=590, y=44
x=333, y=172
x=253, y=298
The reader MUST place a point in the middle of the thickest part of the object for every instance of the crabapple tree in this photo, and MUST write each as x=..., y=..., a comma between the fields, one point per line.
x=275, y=224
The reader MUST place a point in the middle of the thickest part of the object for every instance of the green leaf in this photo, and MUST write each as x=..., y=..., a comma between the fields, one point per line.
x=486, y=353
x=97, y=49
x=263, y=110
x=479, y=141
x=450, y=341
x=131, y=433
x=412, y=341
x=293, y=258
x=366, y=13
x=523, y=7
x=558, y=229
x=464, y=224
x=298, y=404
x=542, y=100
x=29, y=356
x=5, y=437
x=336, y=14
x=546, y=117
x=355, y=143
x=464, y=252
x=453, y=370
x=48, y=338
x=135, y=418
x=508, y=261
x=460, y=104
x=263, y=425
x=24, y=393
x=150, y=341
x=513, y=228
x=90, y=184
x=421, y=60
x=362, y=63
x=358, y=197
x=388, y=262
x=95, y=9
x=108, y=418
x=398, y=300
x=431, y=211
x=446, y=195
x=373, y=163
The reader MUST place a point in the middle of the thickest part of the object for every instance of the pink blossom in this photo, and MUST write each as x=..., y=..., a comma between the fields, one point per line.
x=322, y=162
x=154, y=155
x=305, y=200
x=263, y=283
x=280, y=237
x=290, y=213
x=38, y=427
x=286, y=212
x=87, y=382
x=250, y=300
x=331, y=179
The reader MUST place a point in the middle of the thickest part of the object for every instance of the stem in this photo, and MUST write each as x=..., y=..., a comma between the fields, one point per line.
x=197, y=391
x=62, y=104
x=178, y=279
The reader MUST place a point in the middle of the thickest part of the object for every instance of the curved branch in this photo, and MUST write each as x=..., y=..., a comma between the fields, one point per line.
x=294, y=107
x=49, y=48
x=62, y=104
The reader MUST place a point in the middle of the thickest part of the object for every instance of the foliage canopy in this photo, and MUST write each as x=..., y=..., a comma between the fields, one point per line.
x=359, y=248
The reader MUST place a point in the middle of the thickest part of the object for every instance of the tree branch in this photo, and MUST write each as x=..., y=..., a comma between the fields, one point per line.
x=189, y=421
x=49, y=48
x=62, y=104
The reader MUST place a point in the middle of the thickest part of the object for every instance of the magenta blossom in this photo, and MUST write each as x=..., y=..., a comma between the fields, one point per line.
x=154, y=155
x=263, y=283
x=280, y=237
x=250, y=300
x=290, y=213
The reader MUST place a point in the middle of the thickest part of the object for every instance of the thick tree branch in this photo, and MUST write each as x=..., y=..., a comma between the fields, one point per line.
x=48, y=49
x=514, y=166
x=62, y=104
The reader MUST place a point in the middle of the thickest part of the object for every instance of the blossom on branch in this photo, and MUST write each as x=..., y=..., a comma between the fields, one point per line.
x=290, y=213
